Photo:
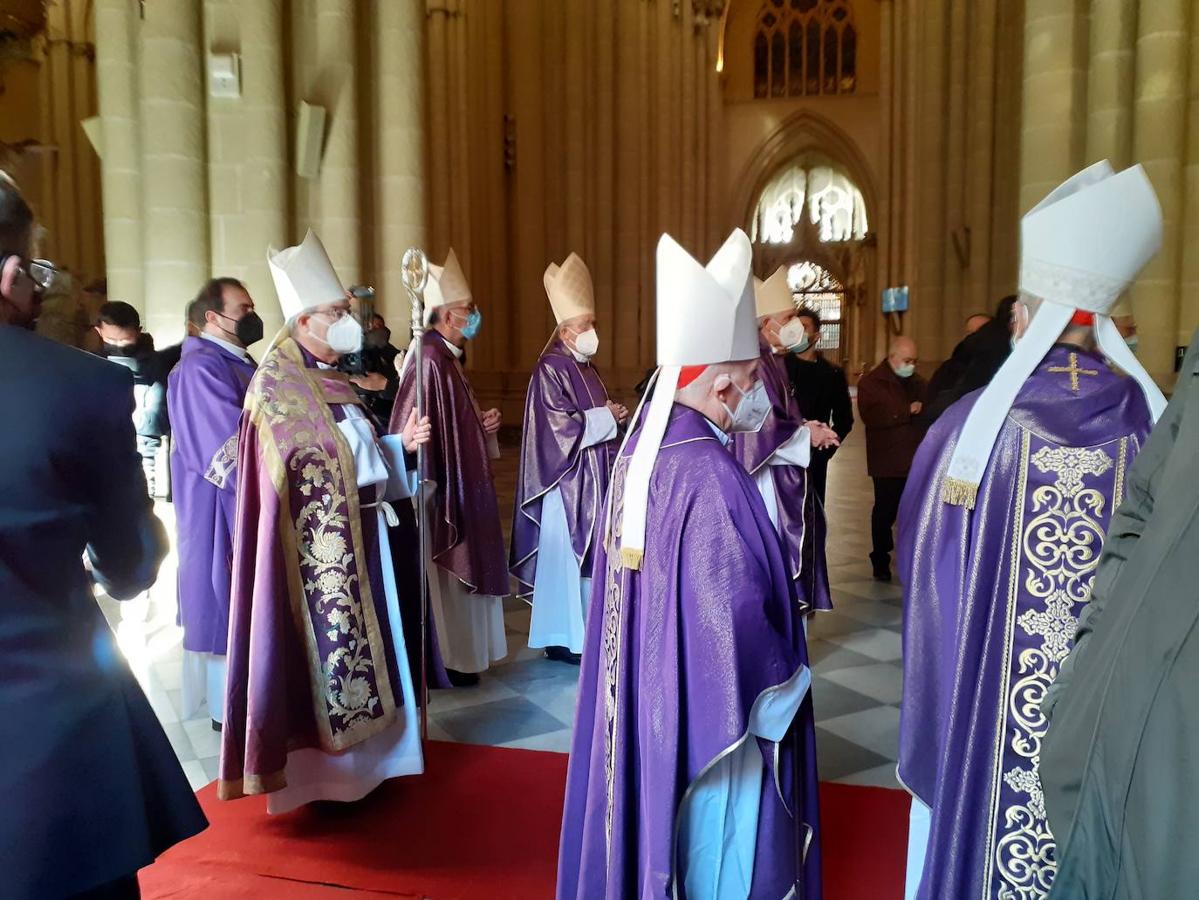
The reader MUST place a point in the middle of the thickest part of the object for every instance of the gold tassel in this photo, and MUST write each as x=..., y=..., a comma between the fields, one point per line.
x=956, y=492
x=630, y=558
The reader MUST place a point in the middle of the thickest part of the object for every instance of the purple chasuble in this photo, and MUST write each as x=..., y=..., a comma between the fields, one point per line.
x=802, y=527
x=465, y=536
x=992, y=598
x=311, y=659
x=677, y=652
x=552, y=456
x=205, y=394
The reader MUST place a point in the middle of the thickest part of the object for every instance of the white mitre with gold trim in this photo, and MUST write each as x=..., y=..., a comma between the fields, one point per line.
x=773, y=296
x=1080, y=249
x=570, y=289
x=304, y=276
x=705, y=316
x=447, y=285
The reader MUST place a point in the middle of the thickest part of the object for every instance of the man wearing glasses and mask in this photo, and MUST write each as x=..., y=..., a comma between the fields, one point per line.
x=205, y=396
x=92, y=775
x=319, y=703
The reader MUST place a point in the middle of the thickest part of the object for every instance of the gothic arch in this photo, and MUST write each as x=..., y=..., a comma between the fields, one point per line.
x=803, y=132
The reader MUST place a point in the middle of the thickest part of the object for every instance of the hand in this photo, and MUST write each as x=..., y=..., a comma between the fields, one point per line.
x=822, y=436
x=916, y=407
x=372, y=382
x=416, y=433
x=399, y=363
x=492, y=421
x=619, y=413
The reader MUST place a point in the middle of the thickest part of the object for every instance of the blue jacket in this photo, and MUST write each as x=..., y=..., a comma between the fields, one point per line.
x=92, y=789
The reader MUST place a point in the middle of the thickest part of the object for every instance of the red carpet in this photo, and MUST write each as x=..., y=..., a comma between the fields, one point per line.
x=481, y=823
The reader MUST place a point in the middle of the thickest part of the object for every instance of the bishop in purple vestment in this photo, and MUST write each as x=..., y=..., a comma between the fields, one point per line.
x=778, y=453
x=468, y=578
x=692, y=770
x=205, y=394
x=569, y=445
x=320, y=701
x=1000, y=531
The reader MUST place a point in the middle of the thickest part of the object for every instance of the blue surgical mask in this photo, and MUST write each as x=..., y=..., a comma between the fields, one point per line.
x=474, y=320
x=906, y=371
x=1133, y=342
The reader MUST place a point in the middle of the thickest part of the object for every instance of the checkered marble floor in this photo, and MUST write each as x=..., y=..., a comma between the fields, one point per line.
x=527, y=701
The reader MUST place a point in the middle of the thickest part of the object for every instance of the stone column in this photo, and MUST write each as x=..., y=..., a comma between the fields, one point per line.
x=336, y=213
x=1055, y=83
x=438, y=134
x=174, y=176
x=625, y=144
x=120, y=170
x=264, y=175
x=1111, y=81
x=1159, y=143
x=981, y=207
x=399, y=26
x=603, y=159
x=924, y=322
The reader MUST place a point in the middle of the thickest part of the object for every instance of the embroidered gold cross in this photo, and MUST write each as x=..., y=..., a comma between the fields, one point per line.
x=1073, y=371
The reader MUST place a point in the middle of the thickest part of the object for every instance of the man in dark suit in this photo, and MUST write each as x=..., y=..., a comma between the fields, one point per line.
x=822, y=394
x=890, y=398
x=92, y=788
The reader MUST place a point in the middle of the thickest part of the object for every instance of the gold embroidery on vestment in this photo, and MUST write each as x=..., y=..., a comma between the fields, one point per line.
x=1060, y=549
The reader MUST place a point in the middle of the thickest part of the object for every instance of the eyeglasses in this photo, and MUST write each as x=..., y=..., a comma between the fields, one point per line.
x=334, y=314
x=45, y=274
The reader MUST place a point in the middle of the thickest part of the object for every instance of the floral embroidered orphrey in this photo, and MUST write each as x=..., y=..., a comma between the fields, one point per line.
x=312, y=470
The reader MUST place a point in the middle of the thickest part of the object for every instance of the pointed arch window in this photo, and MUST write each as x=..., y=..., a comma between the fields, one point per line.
x=816, y=288
x=832, y=203
x=805, y=48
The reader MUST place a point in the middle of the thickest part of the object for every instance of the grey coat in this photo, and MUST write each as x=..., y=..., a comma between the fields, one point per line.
x=1120, y=763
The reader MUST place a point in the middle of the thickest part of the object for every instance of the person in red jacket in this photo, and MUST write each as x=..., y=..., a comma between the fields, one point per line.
x=890, y=398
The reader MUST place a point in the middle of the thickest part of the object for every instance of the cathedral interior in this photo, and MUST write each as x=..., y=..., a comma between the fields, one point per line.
x=863, y=144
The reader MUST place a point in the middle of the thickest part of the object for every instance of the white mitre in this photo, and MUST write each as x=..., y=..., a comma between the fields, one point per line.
x=304, y=277
x=1080, y=249
x=705, y=316
x=447, y=285
x=773, y=296
x=570, y=289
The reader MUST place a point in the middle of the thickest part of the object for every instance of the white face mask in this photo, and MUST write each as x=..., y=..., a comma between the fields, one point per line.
x=752, y=411
x=793, y=337
x=344, y=336
x=587, y=343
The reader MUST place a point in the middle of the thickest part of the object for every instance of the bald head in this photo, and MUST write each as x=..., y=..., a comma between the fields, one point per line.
x=902, y=356
x=976, y=322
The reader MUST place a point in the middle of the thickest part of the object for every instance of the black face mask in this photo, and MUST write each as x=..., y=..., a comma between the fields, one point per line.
x=247, y=329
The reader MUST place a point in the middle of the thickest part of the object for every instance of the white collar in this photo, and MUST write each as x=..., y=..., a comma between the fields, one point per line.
x=457, y=351
x=239, y=352
x=722, y=435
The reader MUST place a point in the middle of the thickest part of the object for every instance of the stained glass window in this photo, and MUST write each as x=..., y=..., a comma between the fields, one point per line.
x=805, y=47
x=833, y=203
x=814, y=287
